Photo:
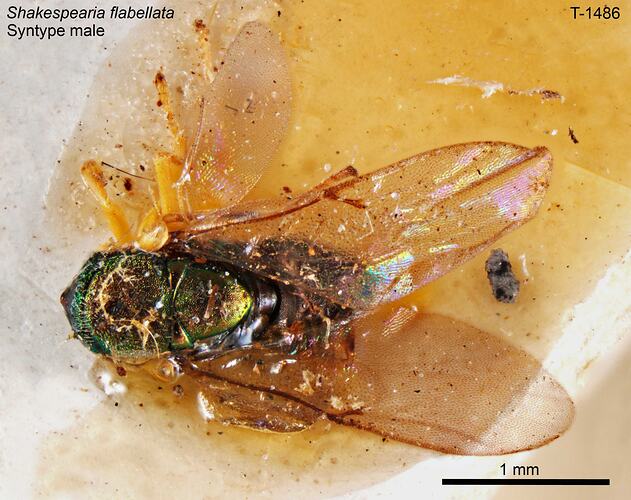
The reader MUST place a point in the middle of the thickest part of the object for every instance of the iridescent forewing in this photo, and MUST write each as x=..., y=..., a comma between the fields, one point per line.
x=235, y=128
x=422, y=379
x=364, y=240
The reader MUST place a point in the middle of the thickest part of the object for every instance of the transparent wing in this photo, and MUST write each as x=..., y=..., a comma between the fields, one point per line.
x=422, y=379
x=364, y=240
x=235, y=129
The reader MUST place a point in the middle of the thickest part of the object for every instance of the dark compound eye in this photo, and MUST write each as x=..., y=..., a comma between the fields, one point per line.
x=120, y=305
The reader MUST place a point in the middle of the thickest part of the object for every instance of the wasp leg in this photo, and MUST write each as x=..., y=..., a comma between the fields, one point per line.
x=169, y=168
x=203, y=40
x=170, y=171
x=153, y=231
x=92, y=175
x=164, y=101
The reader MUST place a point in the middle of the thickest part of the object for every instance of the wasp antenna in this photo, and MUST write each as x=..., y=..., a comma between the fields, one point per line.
x=105, y=164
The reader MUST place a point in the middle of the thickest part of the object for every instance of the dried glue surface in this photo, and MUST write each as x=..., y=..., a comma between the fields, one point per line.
x=435, y=75
x=363, y=87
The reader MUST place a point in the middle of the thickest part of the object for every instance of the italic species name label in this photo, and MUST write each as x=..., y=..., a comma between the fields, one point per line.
x=46, y=24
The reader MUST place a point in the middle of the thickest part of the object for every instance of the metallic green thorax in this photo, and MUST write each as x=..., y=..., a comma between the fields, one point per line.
x=136, y=306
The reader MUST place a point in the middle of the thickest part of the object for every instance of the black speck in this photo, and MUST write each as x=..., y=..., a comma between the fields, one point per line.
x=572, y=136
x=504, y=283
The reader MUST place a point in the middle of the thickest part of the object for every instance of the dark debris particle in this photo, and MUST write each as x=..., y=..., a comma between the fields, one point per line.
x=549, y=94
x=504, y=283
x=572, y=136
x=178, y=390
x=121, y=371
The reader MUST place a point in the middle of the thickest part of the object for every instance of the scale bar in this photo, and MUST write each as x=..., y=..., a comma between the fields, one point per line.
x=533, y=481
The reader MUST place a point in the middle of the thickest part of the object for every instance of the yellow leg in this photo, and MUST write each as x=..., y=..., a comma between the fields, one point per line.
x=173, y=195
x=164, y=101
x=92, y=175
x=153, y=232
x=168, y=167
x=203, y=39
